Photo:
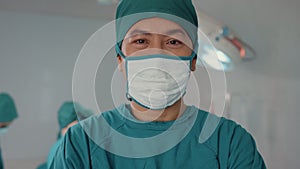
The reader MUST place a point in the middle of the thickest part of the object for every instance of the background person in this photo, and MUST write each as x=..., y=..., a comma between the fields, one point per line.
x=8, y=113
x=68, y=115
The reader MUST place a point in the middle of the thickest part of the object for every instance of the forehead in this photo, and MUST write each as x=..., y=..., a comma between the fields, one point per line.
x=155, y=26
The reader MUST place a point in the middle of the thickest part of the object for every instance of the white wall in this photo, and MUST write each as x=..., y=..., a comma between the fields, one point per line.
x=37, y=56
x=266, y=92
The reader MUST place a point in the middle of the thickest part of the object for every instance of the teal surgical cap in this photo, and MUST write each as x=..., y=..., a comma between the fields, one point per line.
x=181, y=12
x=71, y=111
x=8, y=111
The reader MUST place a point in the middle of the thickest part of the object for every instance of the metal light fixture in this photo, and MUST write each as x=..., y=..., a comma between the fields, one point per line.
x=219, y=47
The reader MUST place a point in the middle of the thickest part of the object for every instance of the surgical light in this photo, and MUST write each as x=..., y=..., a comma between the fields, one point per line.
x=219, y=47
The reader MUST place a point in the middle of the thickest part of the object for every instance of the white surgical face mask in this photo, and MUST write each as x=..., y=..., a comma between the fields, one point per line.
x=157, y=81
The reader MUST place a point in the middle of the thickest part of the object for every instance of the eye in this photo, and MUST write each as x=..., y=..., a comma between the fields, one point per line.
x=140, y=41
x=174, y=42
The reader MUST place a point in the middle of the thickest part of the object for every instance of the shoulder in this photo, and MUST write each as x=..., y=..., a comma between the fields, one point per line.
x=211, y=124
x=218, y=126
x=239, y=150
x=82, y=139
x=95, y=128
x=218, y=132
x=235, y=147
x=108, y=119
x=234, y=133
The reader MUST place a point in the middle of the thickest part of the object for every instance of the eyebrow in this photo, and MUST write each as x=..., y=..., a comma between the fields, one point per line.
x=168, y=33
x=175, y=31
x=138, y=32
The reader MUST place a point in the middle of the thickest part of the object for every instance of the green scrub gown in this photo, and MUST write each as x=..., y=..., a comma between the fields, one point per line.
x=229, y=146
x=42, y=166
x=53, y=151
x=1, y=162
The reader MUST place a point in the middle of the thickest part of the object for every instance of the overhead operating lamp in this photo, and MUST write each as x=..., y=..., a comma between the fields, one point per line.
x=219, y=47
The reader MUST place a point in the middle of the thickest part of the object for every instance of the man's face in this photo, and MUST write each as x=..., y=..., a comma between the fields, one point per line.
x=156, y=36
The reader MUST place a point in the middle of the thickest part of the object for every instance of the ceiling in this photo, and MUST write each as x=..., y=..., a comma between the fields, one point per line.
x=74, y=8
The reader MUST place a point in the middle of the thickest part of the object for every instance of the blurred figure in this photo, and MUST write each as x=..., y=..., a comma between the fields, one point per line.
x=8, y=113
x=68, y=115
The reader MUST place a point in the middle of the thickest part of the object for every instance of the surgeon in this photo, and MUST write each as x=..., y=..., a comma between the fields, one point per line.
x=68, y=115
x=8, y=113
x=156, y=52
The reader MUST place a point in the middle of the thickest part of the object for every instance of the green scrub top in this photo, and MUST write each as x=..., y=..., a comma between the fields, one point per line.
x=229, y=146
x=51, y=155
x=1, y=162
x=52, y=151
x=42, y=166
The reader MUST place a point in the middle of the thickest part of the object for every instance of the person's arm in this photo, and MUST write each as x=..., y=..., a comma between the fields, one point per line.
x=73, y=152
x=243, y=153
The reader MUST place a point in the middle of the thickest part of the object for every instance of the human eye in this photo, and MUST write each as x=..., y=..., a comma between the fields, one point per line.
x=174, y=43
x=139, y=43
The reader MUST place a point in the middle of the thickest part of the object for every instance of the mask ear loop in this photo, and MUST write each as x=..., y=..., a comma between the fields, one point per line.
x=119, y=52
x=193, y=56
x=194, y=53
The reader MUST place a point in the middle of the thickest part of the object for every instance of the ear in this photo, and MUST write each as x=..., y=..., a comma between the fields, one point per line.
x=193, y=66
x=120, y=65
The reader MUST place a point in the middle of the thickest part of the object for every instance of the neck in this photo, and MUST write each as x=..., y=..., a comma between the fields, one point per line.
x=168, y=114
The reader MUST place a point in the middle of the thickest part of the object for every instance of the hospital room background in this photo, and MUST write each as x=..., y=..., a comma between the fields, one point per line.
x=41, y=40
